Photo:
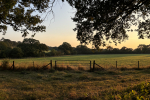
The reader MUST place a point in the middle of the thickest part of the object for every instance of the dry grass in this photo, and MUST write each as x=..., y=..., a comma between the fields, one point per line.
x=104, y=60
x=39, y=82
x=6, y=65
x=69, y=67
x=62, y=67
x=68, y=84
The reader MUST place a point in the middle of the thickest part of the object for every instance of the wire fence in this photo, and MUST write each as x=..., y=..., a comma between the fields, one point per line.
x=88, y=64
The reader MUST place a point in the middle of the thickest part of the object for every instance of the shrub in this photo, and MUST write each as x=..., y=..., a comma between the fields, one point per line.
x=5, y=64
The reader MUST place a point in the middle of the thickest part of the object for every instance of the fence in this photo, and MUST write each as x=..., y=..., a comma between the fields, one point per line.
x=116, y=65
x=87, y=63
x=13, y=65
x=73, y=63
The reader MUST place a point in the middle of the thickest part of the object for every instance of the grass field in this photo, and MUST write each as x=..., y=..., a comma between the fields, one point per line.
x=108, y=84
x=74, y=85
x=104, y=60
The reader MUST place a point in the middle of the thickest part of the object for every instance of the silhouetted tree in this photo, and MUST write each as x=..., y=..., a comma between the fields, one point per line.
x=16, y=53
x=42, y=47
x=66, y=48
x=83, y=49
x=144, y=48
x=115, y=51
x=3, y=46
x=109, y=19
x=30, y=41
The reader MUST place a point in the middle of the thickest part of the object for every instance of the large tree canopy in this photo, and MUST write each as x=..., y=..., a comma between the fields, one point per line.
x=97, y=21
x=19, y=15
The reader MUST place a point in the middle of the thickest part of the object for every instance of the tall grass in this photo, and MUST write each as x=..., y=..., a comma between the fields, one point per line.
x=6, y=65
x=104, y=60
x=108, y=84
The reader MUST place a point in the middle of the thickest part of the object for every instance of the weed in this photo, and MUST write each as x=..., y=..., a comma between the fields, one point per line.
x=5, y=64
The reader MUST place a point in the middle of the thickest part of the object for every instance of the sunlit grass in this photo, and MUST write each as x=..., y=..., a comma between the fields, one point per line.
x=104, y=60
x=30, y=82
x=68, y=85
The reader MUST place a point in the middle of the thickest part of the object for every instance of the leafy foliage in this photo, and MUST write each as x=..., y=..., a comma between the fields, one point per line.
x=19, y=15
x=98, y=21
x=66, y=48
x=16, y=53
x=3, y=46
x=82, y=49
x=28, y=48
x=139, y=92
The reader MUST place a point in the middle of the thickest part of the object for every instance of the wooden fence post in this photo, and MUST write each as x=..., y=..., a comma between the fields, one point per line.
x=93, y=65
x=138, y=64
x=33, y=63
x=116, y=64
x=13, y=65
x=90, y=65
x=55, y=65
x=51, y=64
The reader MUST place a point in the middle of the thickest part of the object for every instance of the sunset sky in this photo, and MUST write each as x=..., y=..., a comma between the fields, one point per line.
x=60, y=29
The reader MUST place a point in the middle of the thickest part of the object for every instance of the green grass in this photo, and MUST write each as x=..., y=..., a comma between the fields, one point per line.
x=104, y=60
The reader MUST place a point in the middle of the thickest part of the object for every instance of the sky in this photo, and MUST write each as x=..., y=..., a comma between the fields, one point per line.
x=60, y=29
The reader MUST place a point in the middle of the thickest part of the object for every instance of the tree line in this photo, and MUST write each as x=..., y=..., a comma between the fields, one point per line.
x=66, y=49
x=30, y=47
x=97, y=21
x=27, y=48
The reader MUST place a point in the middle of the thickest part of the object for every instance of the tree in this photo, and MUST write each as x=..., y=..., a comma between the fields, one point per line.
x=19, y=15
x=32, y=47
x=115, y=51
x=66, y=48
x=3, y=46
x=28, y=50
x=43, y=47
x=10, y=43
x=98, y=21
x=5, y=53
x=123, y=49
x=30, y=41
x=137, y=51
x=16, y=53
x=53, y=52
x=83, y=49
x=144, y=48
x=129, y=50
x=109, y=49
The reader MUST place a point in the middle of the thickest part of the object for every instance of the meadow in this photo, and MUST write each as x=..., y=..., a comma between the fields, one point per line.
x=104, y=60
x=50, y=84
x=75, y=85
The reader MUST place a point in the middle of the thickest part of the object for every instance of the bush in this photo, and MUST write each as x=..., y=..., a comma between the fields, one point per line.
x=5, y=64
